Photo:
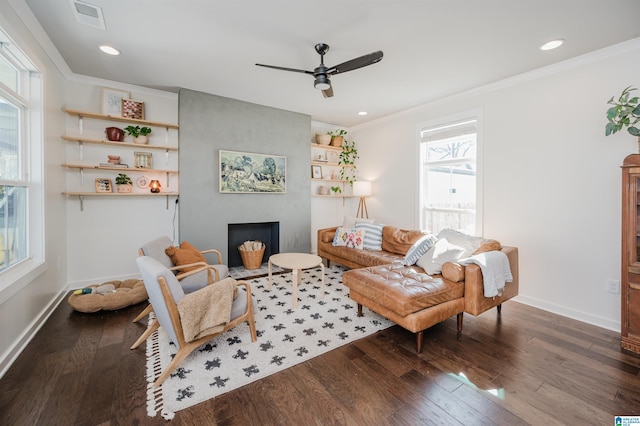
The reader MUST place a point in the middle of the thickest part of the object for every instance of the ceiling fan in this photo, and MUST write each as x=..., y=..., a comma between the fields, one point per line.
x=322, y=72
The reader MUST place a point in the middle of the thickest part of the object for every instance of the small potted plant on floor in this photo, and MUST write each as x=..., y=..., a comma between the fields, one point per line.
x=139, y=134
x=123, y=183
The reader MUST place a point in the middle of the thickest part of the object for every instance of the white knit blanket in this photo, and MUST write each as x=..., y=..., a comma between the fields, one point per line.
x=495, y=270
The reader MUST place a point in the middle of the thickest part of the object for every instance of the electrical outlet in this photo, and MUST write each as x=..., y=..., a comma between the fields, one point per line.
x=613, y=286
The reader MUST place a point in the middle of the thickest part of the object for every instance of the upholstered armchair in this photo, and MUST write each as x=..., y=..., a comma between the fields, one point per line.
x=186, y=262
x=168, y=299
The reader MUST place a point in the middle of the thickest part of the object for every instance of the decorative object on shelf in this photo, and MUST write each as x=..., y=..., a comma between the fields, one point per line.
x=335, y=190
x=323, y=190
x=139, y=134
x=247, y=173
x=114, y=134
x=332, y=157
x=321, y=158
x=142, y=160
x=123, y=183
x=133, y=109
x=142, y=182
x=337, y=137
x=624, y=113
x=323, y=138
x=155, y=186
x=348, y=157
x=362, y=189
x=112, y=101
x=113, y=159
x=316, y=172
x=103, y=185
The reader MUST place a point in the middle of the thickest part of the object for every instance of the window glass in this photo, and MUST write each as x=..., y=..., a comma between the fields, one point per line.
x=8, y=74
x=9, y=143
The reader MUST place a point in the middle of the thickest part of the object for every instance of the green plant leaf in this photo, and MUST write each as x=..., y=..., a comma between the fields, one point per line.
x=610, y=129
x=634, y=131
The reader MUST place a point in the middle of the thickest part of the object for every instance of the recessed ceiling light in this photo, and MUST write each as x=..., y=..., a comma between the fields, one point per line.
x=363, y=113
x=552, y=44
x=109, y=50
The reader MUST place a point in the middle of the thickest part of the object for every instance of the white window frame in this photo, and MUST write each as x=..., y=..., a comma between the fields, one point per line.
x=31, y=98
x=477, y=114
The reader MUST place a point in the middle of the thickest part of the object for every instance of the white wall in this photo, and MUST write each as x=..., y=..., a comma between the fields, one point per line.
x=551, y=178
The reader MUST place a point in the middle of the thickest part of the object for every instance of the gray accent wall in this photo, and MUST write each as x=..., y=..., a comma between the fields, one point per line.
x=209, y=123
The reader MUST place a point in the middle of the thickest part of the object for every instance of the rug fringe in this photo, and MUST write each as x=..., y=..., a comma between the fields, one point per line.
x=155, y=398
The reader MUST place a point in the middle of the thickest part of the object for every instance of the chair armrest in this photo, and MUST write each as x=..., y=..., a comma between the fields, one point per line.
x=201, y=267
x=217, y=252
x=248, y=290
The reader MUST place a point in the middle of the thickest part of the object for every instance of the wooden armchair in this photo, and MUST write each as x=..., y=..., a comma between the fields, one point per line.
x=165, y=292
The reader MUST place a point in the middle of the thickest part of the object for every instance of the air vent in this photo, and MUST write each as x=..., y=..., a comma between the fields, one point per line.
x=88, y=14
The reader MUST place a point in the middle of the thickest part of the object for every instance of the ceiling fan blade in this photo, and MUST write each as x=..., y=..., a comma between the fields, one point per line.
x=285, y=69
x=356, y=63
x=328, y=92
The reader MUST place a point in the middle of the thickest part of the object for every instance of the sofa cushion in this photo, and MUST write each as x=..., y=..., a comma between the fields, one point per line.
x=184, y=255
x=441, y=252
x=372, y=235
x=399, y=241
x=488, y=245
x=351, y=238
x=419, y=248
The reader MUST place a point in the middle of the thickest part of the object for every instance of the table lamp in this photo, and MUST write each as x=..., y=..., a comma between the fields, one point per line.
x=362, y=189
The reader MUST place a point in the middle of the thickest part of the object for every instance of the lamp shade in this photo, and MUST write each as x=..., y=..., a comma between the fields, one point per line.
x=362, y=188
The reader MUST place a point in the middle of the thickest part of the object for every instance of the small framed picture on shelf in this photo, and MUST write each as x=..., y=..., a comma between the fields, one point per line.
x=142, y=160
x=332, y=156
x=112, y=101
x=133, y=109
x=103, y=185
x=316, y=172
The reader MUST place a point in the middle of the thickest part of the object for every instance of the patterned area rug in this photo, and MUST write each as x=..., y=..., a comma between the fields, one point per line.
x=286, y=337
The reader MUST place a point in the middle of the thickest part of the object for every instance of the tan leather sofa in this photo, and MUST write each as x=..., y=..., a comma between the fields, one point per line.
x=407, y=295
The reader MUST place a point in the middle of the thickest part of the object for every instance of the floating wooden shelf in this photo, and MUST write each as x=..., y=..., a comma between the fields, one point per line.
x=122, y=169
x=121, y=144
x=82, y=114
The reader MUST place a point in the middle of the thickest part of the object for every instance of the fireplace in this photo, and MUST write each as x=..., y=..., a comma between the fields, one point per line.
x=238, y=233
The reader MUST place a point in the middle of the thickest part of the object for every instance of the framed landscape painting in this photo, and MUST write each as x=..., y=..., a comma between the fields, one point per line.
x=249, y=173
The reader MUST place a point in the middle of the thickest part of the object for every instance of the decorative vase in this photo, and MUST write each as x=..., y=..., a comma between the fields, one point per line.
x=142, y=140
x=337, y=141
x=114, y=134
x=124, y=187
x=323, y=190
x=323, y=138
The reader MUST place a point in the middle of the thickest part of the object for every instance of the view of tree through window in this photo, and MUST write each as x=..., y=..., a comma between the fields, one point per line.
x=448, y=177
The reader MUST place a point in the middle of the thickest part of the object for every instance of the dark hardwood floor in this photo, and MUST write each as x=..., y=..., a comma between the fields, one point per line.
x=525, y=366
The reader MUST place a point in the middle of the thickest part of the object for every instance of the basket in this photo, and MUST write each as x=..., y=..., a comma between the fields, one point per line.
x=251, y=259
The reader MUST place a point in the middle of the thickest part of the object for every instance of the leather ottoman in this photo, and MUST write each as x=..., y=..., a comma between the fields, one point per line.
x=407, y=296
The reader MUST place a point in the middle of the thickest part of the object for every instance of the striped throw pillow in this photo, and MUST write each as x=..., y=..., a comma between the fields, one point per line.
x=419, y=248
x=372, y=236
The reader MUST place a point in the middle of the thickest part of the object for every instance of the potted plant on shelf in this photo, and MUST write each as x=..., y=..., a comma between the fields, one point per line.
x=139, y=134
x=335, y=190
x=625, y=112
x=123, y=183
x=347, y=158
x=337, y=137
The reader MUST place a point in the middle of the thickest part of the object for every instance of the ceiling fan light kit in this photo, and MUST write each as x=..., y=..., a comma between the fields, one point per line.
x=322, y=73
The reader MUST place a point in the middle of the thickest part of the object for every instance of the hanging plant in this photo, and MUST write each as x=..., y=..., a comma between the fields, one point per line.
x=348, y=157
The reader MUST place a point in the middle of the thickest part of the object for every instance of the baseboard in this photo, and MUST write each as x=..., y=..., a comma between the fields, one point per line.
x=570, y=313
x=11, y=354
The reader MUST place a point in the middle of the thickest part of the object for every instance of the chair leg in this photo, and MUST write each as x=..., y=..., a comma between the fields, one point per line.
x=419, y=340
x=499, y=308
x=359, y=310
x=460, y=317
x=175, y=362
x=144, y=313
x=146, y=334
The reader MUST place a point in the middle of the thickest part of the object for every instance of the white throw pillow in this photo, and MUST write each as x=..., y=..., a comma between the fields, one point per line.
x=441, y=252
x=467, y=242
x=350, y=238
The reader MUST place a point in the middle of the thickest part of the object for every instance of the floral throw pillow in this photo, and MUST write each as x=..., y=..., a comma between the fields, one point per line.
x=351, y=238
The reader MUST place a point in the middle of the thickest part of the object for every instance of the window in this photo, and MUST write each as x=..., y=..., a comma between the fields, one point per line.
x=448, y=175
x=21, y=213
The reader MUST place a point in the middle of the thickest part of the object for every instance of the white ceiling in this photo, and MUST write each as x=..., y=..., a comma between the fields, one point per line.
x=432, y=49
